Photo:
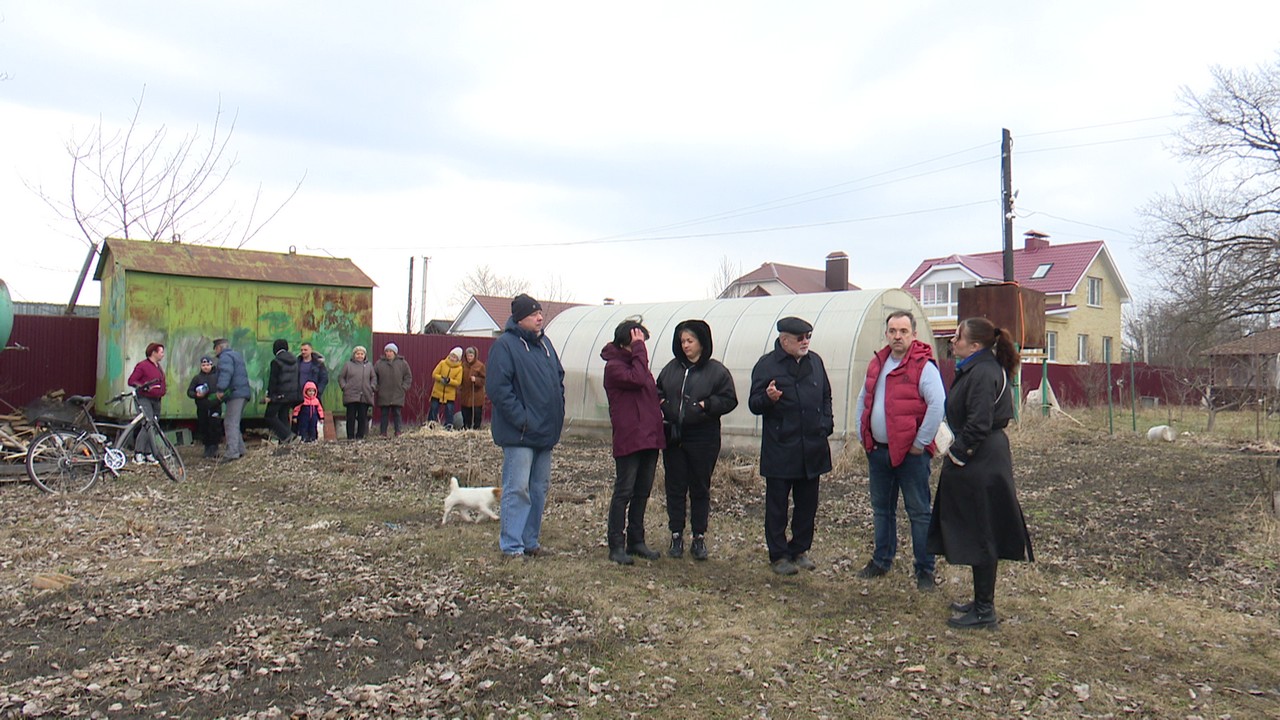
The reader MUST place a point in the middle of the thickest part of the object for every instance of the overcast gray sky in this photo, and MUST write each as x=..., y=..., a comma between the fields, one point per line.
x=624, y=148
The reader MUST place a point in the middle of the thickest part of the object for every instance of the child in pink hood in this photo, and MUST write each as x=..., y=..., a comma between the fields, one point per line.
x=309, y=414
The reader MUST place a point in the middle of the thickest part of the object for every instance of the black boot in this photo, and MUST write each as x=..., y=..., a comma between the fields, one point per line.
x=643, y=551
x=677, y=545
x=620, y=556
x=699, y=548
x=982, y=612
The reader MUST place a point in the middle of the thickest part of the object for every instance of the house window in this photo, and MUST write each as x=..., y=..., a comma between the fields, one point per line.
x=1082, y=348
x=1106, y=349
x=1041, y=271
x=1095, y=292
x=1051, y=345
x=942, y=300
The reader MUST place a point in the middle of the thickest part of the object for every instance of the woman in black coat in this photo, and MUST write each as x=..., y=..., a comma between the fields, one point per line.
x=695, y=392
x=976, y=519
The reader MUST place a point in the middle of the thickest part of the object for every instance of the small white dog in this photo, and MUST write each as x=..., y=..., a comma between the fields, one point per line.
x=480, y=499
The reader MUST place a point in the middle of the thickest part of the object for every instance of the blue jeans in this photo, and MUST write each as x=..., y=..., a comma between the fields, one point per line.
x=526, y=475
x=434, y=412
x=912, y=479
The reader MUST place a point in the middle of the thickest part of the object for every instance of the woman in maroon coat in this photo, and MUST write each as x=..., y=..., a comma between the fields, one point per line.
x=636, y=416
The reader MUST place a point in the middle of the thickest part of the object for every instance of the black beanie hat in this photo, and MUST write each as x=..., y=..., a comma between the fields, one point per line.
x=522, y=306
x=278, y=345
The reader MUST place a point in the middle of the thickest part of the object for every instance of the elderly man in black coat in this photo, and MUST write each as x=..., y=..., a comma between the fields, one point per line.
x=792, y=394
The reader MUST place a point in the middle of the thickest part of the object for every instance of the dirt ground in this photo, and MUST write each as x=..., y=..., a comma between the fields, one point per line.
x=318, y=581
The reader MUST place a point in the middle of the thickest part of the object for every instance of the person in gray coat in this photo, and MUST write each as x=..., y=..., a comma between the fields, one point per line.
x=394, y=378
x=233, y=391
x=359, y=391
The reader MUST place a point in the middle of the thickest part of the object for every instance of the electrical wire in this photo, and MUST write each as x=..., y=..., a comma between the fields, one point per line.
x=1099, y=142
x=1095, y=127
x=784, y=202
x=750, y=231
x=1031, y=213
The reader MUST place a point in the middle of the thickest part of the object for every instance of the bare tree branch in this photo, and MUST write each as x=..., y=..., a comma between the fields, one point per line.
x=484, y=281
x=144, y=186
x=1215, y=243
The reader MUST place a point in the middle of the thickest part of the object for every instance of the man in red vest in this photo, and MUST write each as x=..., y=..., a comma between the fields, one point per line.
x=900, y=407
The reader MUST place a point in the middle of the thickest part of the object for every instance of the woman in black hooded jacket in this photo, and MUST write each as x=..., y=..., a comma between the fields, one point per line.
x=695, y=391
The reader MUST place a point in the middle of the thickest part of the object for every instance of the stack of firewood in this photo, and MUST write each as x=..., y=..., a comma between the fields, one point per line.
x=16, y=431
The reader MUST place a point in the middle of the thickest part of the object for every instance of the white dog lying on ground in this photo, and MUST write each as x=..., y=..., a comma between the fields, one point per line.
x=480, y=499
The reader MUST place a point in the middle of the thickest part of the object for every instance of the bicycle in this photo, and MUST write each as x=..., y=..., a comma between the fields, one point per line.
x=71, y=457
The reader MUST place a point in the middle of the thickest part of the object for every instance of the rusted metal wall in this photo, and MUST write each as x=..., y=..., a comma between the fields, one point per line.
x=187, y=313
x=59, y=353
x=422, y=352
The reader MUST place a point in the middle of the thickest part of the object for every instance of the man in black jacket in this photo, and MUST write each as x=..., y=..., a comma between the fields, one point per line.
x=283, y=391
x=792, y=394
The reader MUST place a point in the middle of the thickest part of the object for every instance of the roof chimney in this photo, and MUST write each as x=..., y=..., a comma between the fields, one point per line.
x=837, y=272
x=1035, y=240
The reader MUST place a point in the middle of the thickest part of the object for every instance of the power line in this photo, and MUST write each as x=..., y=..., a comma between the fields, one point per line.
x=1100, y=142
x=655, y=238
x=783, y=202
x=1032, y=213
x=1095, y=127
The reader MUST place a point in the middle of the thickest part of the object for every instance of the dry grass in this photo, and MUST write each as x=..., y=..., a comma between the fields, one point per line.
x=1154, y=595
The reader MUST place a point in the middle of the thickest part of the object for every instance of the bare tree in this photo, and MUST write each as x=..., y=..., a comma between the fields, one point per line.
x=553, y=290
x=1215, y=244
x=482, y=280
x=725, y=274
x=133, y=185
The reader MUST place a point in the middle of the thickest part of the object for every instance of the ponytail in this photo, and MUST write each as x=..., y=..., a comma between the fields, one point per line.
x=981, y=330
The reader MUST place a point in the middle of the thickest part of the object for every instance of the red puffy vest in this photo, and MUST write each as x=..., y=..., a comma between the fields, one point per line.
x=904, y=409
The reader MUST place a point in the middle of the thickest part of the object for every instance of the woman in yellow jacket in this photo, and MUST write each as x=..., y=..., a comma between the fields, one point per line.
x=447, y=377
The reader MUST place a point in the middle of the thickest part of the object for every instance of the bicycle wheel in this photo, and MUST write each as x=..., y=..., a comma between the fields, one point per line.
x=60, y=461
x=167, y=455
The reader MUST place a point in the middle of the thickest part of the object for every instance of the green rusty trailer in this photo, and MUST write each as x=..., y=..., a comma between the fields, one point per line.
x=185, y=296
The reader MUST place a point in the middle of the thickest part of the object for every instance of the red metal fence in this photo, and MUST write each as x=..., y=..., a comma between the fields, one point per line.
x=56, y=352
x=1079, y=385
x=422, y=352
x=61, y=352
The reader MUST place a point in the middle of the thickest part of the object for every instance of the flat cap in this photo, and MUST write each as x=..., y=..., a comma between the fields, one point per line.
x=794, y=326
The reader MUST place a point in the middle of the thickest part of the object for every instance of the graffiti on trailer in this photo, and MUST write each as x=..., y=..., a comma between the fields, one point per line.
x=187, y=314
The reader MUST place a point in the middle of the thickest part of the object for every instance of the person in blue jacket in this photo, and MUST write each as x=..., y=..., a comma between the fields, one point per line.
x=233, y=392
x=525, y=383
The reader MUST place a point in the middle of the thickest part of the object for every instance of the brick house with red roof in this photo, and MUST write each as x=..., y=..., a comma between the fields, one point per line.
x=486, y=315
x=777, y=279
x=1083, y=289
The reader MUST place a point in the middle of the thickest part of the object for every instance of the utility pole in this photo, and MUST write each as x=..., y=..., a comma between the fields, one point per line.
x=1006, y=199
x=422, y=306
x=408, y=311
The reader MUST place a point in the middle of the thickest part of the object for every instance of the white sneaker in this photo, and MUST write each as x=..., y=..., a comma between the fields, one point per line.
x=151, y=460
x=139, y=459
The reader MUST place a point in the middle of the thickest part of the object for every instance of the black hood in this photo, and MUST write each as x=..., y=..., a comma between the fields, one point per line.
x=700, y=330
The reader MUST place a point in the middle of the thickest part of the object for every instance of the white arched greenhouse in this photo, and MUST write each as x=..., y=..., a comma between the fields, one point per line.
x=848, y=328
